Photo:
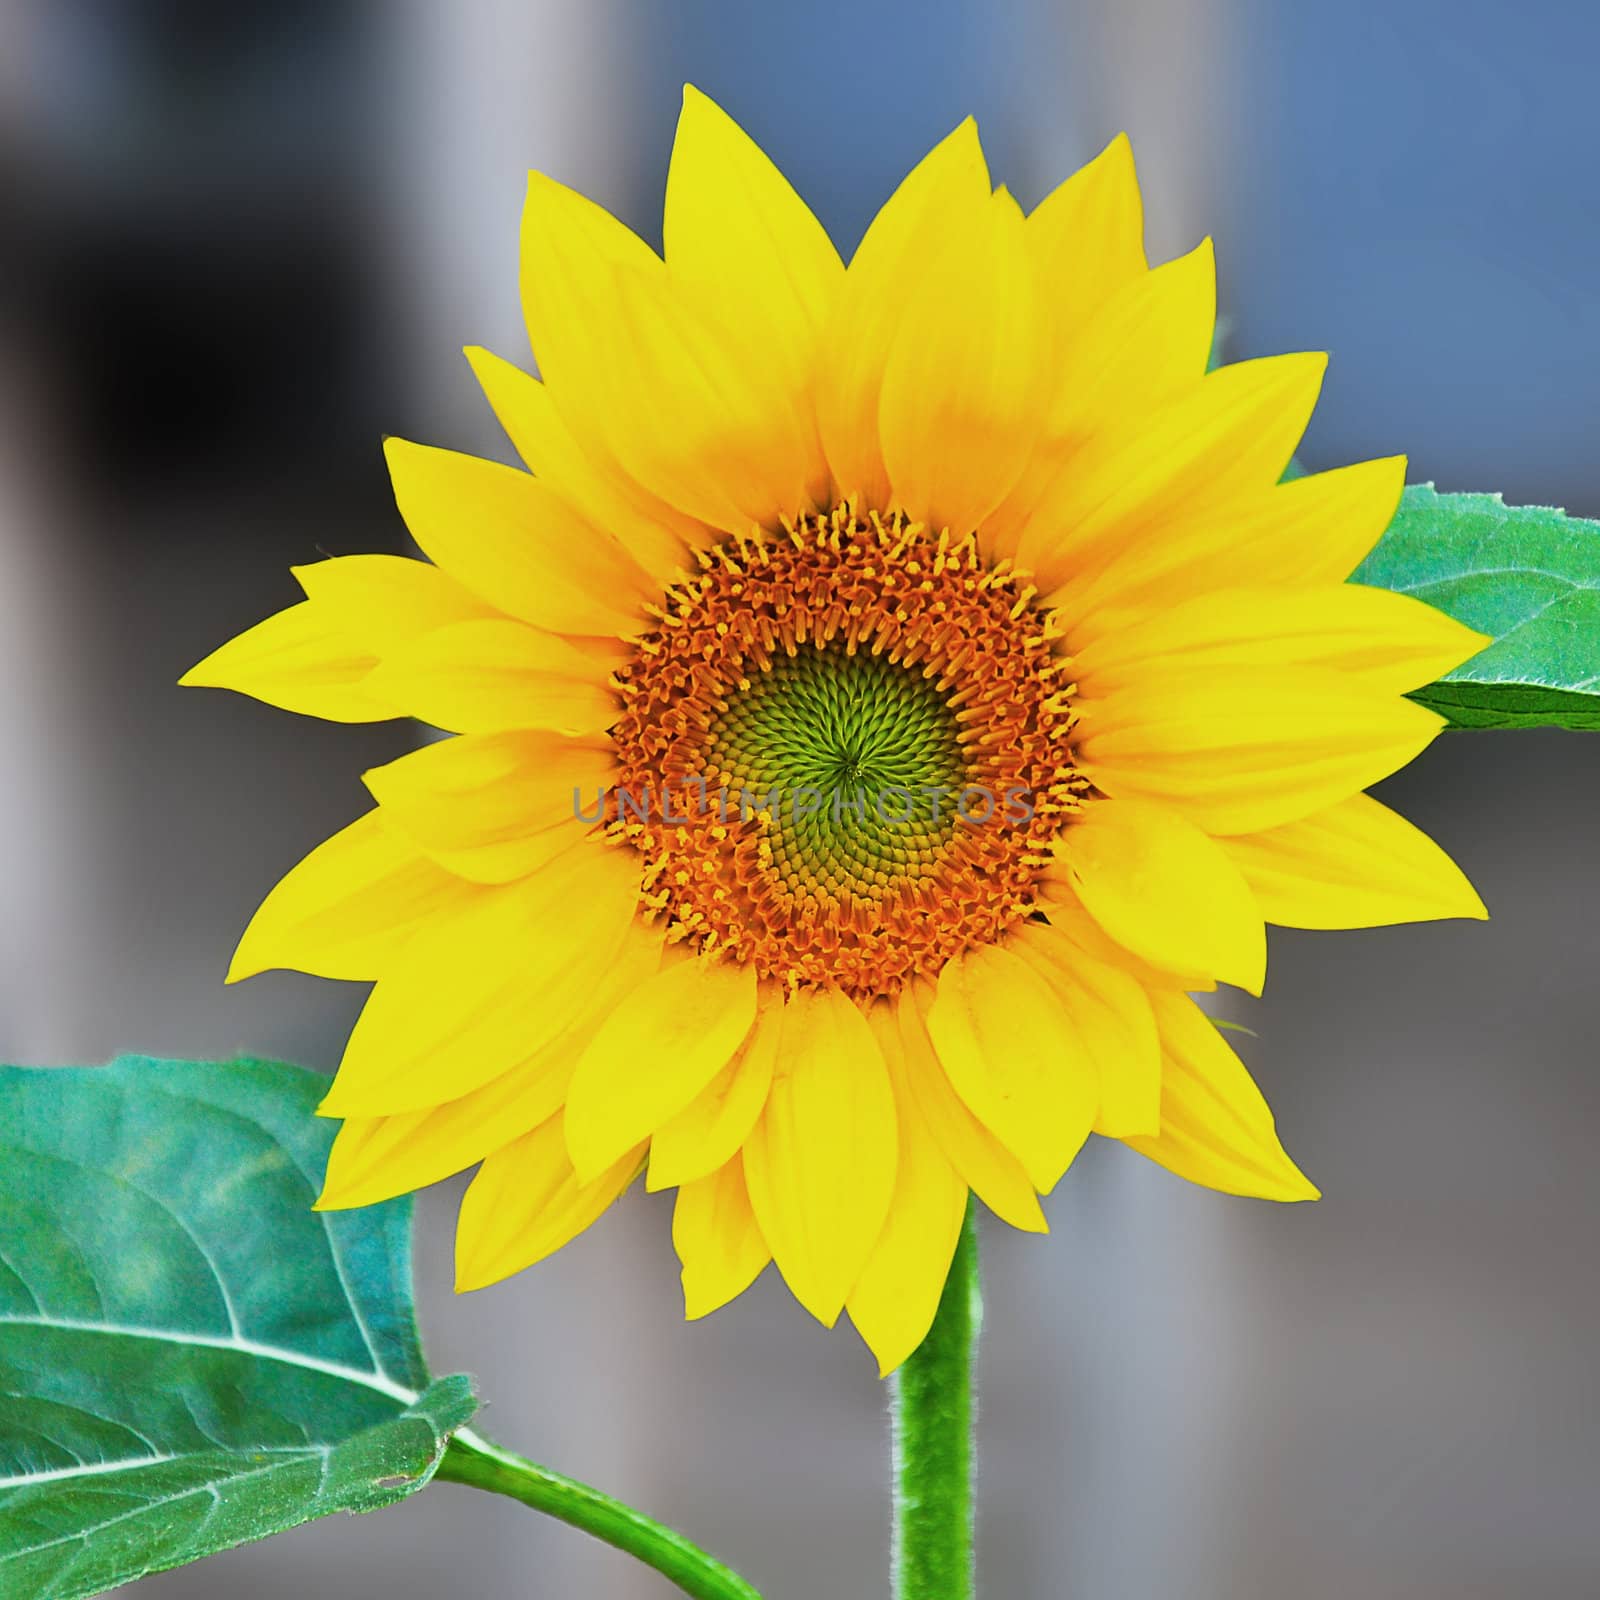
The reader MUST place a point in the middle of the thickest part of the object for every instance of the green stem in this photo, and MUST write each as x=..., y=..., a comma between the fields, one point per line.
x=476, y=1462
x=932, y=1442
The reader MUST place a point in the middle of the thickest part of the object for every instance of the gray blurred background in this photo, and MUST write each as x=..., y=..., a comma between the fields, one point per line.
x=244, y=241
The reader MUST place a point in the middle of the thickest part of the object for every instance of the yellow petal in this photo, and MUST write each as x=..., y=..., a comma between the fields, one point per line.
x=1356, y=865
x=1308, y=531
x=742, y=448
x=893, y=1301
x=1087, y=236
x=727, y=205
x=655, y=1052
x=300, y=660
x=508, y=538
x=570, y=250
x=1381, y=641
x=1164, y=890
x=1151, y=339
x=820, y=1163
x=486, y=677
x=345, y=909
x=708, y=1132
x=384, y=602
x=964, y=379
x=493, y=806
x=375, y=1158
x=983, y=1162
x=1109, y=1013
x=567, y=245
x=733, y=227
x=1216, y=1129
x=318, y=657
x=939, y=197
x=525, y=1203
x=468, y=997
x=1008, y=1047
x=715, y=1234
x=1237, y=751
x=1148, y=342
x=1229, y=434
x=1071, y=933
x=657, y=540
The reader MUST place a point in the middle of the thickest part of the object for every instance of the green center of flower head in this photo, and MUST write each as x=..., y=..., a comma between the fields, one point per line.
x=856, y=759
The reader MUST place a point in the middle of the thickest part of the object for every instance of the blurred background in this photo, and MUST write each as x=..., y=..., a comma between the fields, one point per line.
x=242, y=242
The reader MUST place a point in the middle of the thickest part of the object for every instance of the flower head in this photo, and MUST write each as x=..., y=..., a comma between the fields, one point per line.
x=886, y=696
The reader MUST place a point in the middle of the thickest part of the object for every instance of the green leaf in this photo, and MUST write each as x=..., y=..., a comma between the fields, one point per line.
x=190, y=1357
x=1527, y=576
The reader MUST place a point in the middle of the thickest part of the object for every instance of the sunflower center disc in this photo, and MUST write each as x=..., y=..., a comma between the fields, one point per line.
x=847, y=748
x=857, y=760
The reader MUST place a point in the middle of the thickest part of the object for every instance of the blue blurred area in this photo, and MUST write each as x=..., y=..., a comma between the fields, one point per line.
x=1416, y=190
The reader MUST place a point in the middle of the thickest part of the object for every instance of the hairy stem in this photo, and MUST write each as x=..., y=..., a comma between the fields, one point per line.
x=476, y=1462
x=932, y=1442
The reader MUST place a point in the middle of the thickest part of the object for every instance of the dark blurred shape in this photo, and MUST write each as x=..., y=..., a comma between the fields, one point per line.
x=195, y=209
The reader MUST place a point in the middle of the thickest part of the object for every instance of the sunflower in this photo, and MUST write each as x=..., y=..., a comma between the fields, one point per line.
x=886, y=697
